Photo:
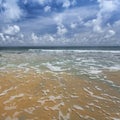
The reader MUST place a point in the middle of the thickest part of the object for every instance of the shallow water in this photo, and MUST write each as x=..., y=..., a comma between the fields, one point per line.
x=60, y=85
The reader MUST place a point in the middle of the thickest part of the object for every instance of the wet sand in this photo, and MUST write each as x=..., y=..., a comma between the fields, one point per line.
x=113, y=76
x=51, y=96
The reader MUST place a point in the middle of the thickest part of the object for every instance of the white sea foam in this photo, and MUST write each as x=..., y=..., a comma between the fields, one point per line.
x=73, y=96
x=92, y=104
x=84, y=51
x=53, y=98
x=96, y=51
x=50, y=50
x=11, y=118
x=95, y=96
x=57, y=107
x=78, y=107
x=6, y=91
x=30, y=110
x=98, y=88
x=45, y=92
x=89, y=118
x=94, y=71
x=10, y=107
x=49, y=98
x=52, y=67
x=42, y=101
x=64, y=117
x=114, y=68
x=22, y=65
x=113, y=118
x=14, y=97
x=111, y=96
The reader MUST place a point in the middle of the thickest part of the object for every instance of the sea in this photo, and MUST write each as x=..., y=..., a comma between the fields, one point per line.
x=60, y=83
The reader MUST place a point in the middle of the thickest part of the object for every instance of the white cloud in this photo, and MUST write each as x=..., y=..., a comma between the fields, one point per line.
x=50, y=37
x=21, y=36
x=97, y=25
x=12, y=30
x=73, y=25
x=47, y=37
x=73, y=2
x=82, y=38
x=75, y=15
x=61, y=30
x=47, y=8
x=12, y=10
x=117, y=23
x=110, y=33
x=34, y=37
x=2, y=37
x=58, y=18
x=66, y=4
x=7, y=37
x=107, y=7
x=41, y=1
x=25, y=1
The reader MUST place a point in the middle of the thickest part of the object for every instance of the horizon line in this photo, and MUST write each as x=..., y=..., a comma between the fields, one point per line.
x=61, y=47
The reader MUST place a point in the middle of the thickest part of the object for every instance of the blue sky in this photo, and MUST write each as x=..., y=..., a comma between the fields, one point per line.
x=59, y=22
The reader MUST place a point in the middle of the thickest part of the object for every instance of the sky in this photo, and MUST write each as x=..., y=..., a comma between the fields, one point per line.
x=59, y=22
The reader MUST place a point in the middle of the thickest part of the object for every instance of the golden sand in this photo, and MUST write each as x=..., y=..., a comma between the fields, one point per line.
x=114, y=77
x=49, y=96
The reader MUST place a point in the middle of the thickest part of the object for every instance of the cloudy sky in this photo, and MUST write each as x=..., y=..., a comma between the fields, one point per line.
x=59, y=22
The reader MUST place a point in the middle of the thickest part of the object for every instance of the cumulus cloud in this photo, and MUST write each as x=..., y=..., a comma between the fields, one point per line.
x=41, y=1
x=11, y=10
x=11, y=30
x=75, y=15
x=34, y=38
x=73, y=2
x=66, y=4
x=61, y=30
x=73, y=25
x=47, y=8
x=2, y=37
x=107, y=7
x=63, y=3
x=58, y=18
x=48, y=38
x=116, y=24
x=110, y=34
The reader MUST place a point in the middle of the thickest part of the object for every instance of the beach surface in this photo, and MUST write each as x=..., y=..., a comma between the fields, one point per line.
x=32, y=92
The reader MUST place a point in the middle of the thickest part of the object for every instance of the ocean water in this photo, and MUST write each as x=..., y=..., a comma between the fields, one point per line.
x=77, y=62
x=60, y=84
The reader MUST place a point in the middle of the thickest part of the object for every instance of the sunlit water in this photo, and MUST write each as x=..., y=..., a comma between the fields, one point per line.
x=59, y=85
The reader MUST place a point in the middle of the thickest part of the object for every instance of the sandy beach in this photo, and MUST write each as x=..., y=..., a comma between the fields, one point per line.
x=49, y=96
